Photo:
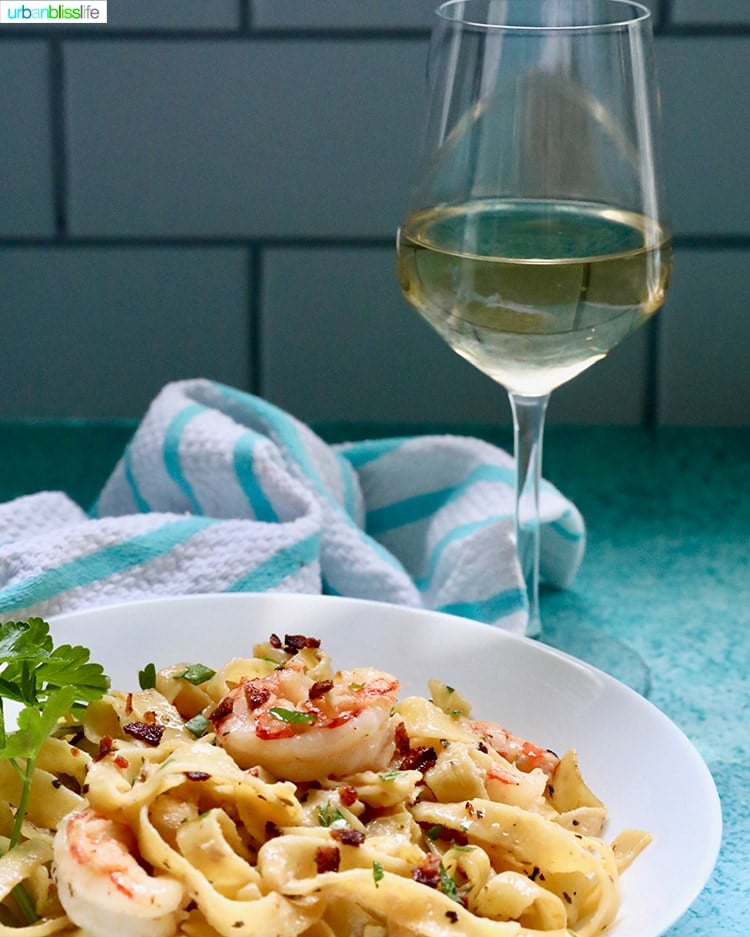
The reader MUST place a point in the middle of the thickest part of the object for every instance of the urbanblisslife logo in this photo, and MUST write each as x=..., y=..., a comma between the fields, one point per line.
x=43, y=13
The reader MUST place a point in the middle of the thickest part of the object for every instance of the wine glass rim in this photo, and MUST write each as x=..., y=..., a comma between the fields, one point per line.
x=449, y=10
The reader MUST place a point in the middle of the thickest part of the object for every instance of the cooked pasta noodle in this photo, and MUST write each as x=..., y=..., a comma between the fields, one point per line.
x=278, y=797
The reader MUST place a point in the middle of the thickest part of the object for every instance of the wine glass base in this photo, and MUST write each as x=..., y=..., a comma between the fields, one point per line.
x=602, y=651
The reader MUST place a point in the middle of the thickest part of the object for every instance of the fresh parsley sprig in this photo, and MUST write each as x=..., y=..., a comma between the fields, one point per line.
x=48, y=682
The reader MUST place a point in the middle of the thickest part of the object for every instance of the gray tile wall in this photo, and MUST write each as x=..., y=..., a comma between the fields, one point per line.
x=212, y=188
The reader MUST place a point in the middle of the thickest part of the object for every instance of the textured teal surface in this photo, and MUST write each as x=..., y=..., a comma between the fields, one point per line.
x=666, y=571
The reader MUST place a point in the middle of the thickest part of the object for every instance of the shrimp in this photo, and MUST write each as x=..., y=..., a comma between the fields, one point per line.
x=102, y=887
x=301, y=729
x=525, y=755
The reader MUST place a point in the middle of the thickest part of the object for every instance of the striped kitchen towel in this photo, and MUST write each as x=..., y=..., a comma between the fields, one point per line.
x=220, y=491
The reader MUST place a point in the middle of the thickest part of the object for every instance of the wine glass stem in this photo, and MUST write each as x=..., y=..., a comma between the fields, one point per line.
x=528, y=432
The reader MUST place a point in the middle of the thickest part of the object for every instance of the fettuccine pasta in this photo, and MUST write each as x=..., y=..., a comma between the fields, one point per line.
x=278, y=797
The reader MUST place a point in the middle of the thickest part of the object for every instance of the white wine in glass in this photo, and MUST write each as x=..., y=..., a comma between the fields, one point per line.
x=535, y=241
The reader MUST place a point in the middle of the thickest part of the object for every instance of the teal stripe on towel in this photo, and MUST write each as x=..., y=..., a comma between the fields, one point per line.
x=171, y=452
x=277, y=423
x=361, y=453
x=565, y=532
x=282, y=564
x=347, y=483
x=458, y=533
x=140, y=502
x=94, y=567
x=244, y=455
x=418, y=507
x=490, y=609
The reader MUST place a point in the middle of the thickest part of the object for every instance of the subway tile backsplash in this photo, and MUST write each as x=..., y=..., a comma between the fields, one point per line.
x=241, y=138
x=26, y=191
x=212, y=187
x=711, y=12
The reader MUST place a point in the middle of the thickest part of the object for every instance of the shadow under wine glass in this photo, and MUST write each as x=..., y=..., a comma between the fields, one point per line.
x=534, y=240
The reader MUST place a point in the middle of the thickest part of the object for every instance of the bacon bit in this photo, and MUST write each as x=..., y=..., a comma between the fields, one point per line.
x=255, y=695
x=293, y=643
x=534, y=874
x=149, y=717
x=128, y=704
x=348, y=836
x=452, y=916
x=419, y=759
x=428, y=871
x=402, y=739
x=197, y=775
x=75, y=752
x=320, y=688
x=275, y=642
x=347, y=795
x=223, y=710
x=272, y=830
x=105, y=747
x=150, y=733
x=122, y=763
x=327, y=858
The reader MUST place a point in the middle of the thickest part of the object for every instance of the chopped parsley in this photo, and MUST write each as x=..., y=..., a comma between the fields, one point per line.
x=448, y=886
x=390, y=775
x=198, y=725
x=196, y=674
x=331, y=816
x=293, y=716
x=147, y=677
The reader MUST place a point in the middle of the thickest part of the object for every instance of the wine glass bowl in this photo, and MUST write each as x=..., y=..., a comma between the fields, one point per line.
x=535, y=241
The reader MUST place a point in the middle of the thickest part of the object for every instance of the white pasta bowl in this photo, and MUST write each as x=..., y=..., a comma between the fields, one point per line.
x=632, y=756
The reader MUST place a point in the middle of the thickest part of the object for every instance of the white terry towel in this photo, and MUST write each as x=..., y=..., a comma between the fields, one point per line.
x=220, y=491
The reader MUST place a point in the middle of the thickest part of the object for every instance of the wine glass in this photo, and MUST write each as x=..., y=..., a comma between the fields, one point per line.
x=534, y=240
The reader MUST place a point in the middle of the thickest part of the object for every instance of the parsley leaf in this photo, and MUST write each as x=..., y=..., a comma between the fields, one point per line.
x=196, y=674
x=291, y=716
x=390, y=775
x=49, y=682
x=330, y=815
x=147, y=677
x=377, y=873
x=448, y=885
x=198, y=725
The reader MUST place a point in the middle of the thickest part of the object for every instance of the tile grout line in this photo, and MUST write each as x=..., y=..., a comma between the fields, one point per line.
x=56, y=78
x=254, y=313
x=665, y=15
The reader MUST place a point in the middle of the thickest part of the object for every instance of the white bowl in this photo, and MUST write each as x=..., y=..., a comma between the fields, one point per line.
x=632, y=756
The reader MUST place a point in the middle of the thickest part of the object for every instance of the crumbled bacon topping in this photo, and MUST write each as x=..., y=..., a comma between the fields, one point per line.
x=197, y=775
x=297, y=642
x=348, y=836
x=428, y=871
x=327, y=859
x=402, y=739
x=419, y=759
x=320, y=688
x=255, y=695
x=347, y=795
x=105, y=747
x=149, y=732
x=223, y=710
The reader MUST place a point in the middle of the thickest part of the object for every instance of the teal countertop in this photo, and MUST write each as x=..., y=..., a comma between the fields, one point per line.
x=666, y=571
